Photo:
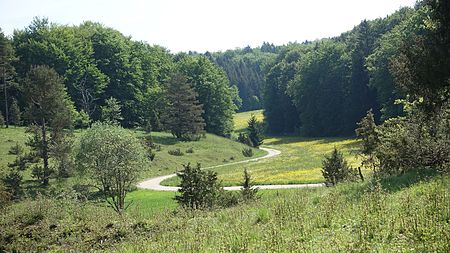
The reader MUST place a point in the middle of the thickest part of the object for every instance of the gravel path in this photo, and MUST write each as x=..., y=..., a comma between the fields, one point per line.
x=155, y=183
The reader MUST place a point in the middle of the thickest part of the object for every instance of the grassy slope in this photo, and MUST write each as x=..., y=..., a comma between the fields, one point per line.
x=212, y=150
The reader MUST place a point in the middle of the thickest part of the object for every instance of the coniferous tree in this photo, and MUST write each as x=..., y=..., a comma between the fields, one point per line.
x=254, y=132
x=366, y=131
x=183, y=117
x=112, y=111
x=2, y=120
x=248, y=191
x=49, y=111
x=335, y=168
x=14, y=113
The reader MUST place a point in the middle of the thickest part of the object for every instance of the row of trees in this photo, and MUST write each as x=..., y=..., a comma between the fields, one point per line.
x=324, y=88
x=97, y=63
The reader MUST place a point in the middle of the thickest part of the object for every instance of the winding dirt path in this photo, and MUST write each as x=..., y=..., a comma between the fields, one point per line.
x=155, y=183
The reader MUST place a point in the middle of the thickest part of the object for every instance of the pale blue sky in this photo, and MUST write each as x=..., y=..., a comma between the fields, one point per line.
x=205, y=25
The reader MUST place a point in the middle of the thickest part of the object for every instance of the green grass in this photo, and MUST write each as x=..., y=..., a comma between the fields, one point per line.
x=8, y=138
x=241, y=119
x=145, y=203
x=211, y=150
x=358, y=217
x=300, y=162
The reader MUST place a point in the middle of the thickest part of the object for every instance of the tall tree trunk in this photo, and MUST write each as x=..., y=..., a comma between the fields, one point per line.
x=6, y=99
x=45, y=153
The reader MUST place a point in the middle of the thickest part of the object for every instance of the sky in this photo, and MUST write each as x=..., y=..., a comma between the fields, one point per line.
x=205, y=25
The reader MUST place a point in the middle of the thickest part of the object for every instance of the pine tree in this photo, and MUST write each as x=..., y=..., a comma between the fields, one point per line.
x=248, y=191
x=335, y=168
x=112, y=111
x=366, y=131
x=254, y=132
x=49, y=112
x=14, y=113
x=184, y=114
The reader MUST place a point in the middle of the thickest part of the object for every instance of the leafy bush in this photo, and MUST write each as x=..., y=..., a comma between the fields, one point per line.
x=111, y=158
x=247, y=152
x=175, y=152
x=199, y=189
x=190, y=150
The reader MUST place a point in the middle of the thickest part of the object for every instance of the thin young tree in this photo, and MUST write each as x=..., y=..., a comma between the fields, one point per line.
x=184, y=114
x=49, y=111
x=112, y=111
x=367, y=132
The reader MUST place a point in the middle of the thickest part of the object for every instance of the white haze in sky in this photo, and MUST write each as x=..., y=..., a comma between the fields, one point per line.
x=205, y=25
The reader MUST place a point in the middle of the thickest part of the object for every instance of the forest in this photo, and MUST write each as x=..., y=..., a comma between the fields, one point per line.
x=90, y=119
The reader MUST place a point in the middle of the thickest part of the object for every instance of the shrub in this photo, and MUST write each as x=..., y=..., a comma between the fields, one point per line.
x=111, y=157
x=248, y=192
x=247, y=152
x=13, y=182
x=244, y=139
x=199, y=189
x=16, y=149
x=151, y=155
x=175, y=152
x=336, y=170
x=190, y=150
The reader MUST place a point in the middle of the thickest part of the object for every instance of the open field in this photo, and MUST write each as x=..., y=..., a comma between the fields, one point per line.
x=300, y=161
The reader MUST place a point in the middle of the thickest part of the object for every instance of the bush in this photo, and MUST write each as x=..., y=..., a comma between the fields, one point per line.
x=336, y=170
x=13, y=182
x=247, y=152
x=190, y=150
x=199, y=189
x=175, y=152
x=16, y=149
x=244, y=139
x=111, y=158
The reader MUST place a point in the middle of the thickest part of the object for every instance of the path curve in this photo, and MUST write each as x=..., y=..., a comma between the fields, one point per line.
x=155, y=183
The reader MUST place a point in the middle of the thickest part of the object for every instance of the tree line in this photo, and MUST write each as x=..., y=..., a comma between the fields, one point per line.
x=97, y=63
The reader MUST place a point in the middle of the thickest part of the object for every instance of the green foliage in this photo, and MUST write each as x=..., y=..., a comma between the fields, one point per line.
x=61, y=150
x=367, y=132
x=214, y=93
x=245, y=68
x=199, y=189
x=16, y=149
x=248, y=191
x=110, y=158
x=2, y=120
x=247, y=152
x=112, y=111
x=183, y=117
x=254, y=131
x=14, y=113
x=175, y=152
x=13, y=183
x=82, y=120
x=336, y=170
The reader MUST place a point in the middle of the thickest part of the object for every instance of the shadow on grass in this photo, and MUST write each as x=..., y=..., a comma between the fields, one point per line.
x=289, y=138
x=396, y=183
x=165, y=140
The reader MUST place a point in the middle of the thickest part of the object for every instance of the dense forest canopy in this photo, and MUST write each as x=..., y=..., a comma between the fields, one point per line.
x=318, y=88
